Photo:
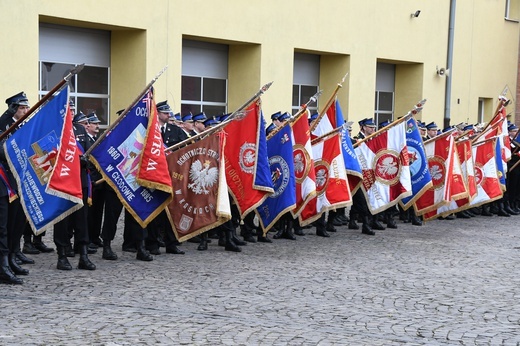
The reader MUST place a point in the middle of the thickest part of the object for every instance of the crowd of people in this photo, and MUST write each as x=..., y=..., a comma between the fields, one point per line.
x=93, y=227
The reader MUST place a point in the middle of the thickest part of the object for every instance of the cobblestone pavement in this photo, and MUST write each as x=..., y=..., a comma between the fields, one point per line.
x=446, y=283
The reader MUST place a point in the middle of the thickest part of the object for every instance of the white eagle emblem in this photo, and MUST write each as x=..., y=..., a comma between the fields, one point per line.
x=436, y=172
x=321, y=177
x=388, y=166
x=202, y=177
x=299, y=165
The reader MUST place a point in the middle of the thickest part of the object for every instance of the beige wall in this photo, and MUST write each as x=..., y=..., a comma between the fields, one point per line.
x=350, y=35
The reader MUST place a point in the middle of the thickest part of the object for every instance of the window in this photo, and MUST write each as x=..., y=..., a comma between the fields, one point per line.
x=89, y=89
x=385, y=90
x=204, y=78
x=306, y=76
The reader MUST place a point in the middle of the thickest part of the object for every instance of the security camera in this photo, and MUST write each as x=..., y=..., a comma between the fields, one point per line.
x=415, y=14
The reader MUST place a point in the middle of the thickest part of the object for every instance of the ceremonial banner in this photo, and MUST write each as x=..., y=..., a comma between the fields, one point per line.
x=245, y=155
x=458, y=192
x=501, y=164
x=117, y=157
x=420, y=175
x=152, y=171
x=5, y=180
x=41, y=150
x=200, y=196
x=386, y=169
x=354, y=173
x=332, y=189
x=486, y=175
x=328, y=122
x=440, y=152
x=303, y=164
x=280, y=152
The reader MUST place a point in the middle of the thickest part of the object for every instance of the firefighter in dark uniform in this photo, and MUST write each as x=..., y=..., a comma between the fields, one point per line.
x=171, y=135
x=76, y=222
x=18, y=105
x=513, y=176
x=359, y=203
x=6, y=274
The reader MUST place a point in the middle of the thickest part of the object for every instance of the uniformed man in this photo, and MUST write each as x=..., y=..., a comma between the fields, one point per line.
x=18, y=106
x=171, y=135
x=198, y=122
x=359, y=203
x=431, y=130
x=187, y=124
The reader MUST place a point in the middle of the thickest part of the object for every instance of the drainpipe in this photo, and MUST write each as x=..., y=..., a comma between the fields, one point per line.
x=449, y=62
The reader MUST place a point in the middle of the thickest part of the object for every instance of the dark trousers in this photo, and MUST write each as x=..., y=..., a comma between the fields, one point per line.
x=95, y=211
x=113, y=208
x=133, y=233
x=15, y=225
x=75, y=222
x=4, y=206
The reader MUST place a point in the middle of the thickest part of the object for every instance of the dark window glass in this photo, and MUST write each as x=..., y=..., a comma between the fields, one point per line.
x=97, y=105
x=186, y=108
x=93, y=80
x=191, y=88
x=53, y=73
x=214, y=90
x=307, y=92
x=213, y=110
x=386, y=101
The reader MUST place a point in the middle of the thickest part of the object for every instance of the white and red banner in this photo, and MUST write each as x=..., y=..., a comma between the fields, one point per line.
x=384, y=161
x=332, y=190
x=326, y=123
x=486, y=173
x=440, y=152
x=303, y=164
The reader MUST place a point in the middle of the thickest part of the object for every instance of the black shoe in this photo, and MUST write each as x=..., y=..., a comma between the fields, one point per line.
x=174, y=250
x=42, y=247
x=352, y=224
x=330, y=227
x=230, y=246
x=249, y=238
x=203, y=246
x=129, y=249
x=144, y=256
x=237, y=240
x=84, y=261
x=365, y=229
x=93, y=246
x=462, y=215
x=278, y=234
x=416, y=221
x=391, y=223
x=337, y=221
x=23, y=259
x=510, y=211
x=262, y=239
x=63, y=263
x=17, y=270
x=502, y=212
x=30, y=249
x=377, y=225
x=299, y=232
x=154, y=251
x=322, y=233
x=486, y=211
x=288, y=234
x=161, y=242
x=91, y=249
x=7, y=276
x=450, y=217
x=108, y=254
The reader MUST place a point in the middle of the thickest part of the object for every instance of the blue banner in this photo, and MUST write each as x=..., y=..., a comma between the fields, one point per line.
x=500, y=164
x=280, y=151
x=419, y=171
x=263, y=173
x=349, y=155
x=117, y=157
x=31, y=152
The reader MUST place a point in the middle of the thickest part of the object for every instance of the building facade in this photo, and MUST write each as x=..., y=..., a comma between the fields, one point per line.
x=219, y=53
